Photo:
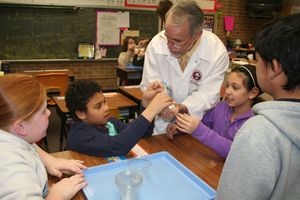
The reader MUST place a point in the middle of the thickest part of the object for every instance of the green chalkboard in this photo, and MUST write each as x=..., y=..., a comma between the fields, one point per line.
x=34, y=33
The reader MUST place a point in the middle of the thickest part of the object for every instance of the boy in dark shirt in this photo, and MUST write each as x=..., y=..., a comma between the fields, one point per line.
x=94, y=132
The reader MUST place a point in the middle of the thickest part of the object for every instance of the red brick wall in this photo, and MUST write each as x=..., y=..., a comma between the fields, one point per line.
x=102, y=71
x=244, y=27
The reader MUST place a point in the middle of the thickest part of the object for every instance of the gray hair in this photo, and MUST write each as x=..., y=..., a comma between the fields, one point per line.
x=187, y=10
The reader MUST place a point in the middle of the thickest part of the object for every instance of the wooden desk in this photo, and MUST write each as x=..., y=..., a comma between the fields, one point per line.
x=113, y=99
x=118, y=100
x=133, y=76
x=70, y=74
x=198, y=158
x=134, y=92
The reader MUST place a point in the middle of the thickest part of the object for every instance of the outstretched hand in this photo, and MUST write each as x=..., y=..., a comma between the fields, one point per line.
x=57, y=166
x=187, y=123
x=170, y=112
x=154, y=88
x=158, y=103
x=172, y=130
x=67, y=188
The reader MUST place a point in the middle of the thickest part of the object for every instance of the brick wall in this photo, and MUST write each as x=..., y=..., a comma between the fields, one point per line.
x=244, y=27
x=102, y=71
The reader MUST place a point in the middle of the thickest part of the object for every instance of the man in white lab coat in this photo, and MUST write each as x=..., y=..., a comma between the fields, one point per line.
x=189, y=61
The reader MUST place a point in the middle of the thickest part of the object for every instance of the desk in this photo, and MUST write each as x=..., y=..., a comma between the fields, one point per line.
x=198, y=158
x=70, y=74
x=133, y=92
x=113, y=99
x=133, y=75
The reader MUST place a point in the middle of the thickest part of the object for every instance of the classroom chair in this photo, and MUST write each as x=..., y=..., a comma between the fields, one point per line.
x=56, y=84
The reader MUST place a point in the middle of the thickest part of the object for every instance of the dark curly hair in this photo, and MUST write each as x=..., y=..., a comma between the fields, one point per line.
x=79, y=94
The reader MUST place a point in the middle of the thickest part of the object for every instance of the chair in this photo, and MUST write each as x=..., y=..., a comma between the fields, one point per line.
x=55, y=84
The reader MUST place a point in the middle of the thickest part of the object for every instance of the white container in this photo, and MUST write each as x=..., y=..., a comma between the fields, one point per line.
x=128, y=183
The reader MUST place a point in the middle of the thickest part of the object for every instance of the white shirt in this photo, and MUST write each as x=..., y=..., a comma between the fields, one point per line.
x=198, y=86
x=21, y=170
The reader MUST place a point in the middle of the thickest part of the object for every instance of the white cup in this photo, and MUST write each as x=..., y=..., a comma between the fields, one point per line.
x=128, y=183
x=139, y=165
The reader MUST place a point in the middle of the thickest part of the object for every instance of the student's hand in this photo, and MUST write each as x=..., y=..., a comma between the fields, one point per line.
x=141, y=53
x=172, y=130
x=67, y=188
x=56, y=166
x=154, y=88
x=187, y=123
x=143, y=42
x=158, y=103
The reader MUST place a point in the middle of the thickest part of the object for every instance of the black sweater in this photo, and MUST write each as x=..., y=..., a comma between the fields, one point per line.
x=95, y=141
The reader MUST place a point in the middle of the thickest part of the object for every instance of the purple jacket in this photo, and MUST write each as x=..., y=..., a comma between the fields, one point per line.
x=215, y=129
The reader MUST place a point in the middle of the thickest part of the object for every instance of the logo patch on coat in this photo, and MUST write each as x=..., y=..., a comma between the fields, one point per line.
x=196, y=78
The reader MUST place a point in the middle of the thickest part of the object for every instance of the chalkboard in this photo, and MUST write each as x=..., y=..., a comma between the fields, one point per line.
x=35, y=33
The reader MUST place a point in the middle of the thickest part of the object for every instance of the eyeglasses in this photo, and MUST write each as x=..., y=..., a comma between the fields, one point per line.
x=178, y=44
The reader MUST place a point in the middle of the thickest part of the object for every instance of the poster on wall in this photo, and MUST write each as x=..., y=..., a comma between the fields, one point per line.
x=107, y=30
x=207, y=5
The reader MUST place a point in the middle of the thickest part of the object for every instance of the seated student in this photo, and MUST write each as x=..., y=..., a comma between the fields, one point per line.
x=23, y=121
x=220, y=124
x=126, y=56
x=139, y=54
x=94, y=132
x=264, y=160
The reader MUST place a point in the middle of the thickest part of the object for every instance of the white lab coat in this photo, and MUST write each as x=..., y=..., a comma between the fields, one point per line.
x=198, y=87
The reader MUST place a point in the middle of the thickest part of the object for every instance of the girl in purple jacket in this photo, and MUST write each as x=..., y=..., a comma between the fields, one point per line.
x=220, y=124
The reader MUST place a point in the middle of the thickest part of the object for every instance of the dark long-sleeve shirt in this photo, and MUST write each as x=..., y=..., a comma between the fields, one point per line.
x=96, y=141
x=138, y=61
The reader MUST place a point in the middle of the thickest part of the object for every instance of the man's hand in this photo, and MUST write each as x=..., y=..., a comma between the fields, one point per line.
x=170, y=112
x=172, y=130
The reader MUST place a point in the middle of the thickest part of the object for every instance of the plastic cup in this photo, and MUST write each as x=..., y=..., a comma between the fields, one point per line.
x=128, y=183
x=139, y=165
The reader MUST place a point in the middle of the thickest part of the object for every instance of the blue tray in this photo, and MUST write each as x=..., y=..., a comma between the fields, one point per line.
x=166, y=179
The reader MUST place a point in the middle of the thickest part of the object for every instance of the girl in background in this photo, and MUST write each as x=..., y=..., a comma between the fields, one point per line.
x=139, y=54
x=220, y=124
x=24, y=121
x=126, y=56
